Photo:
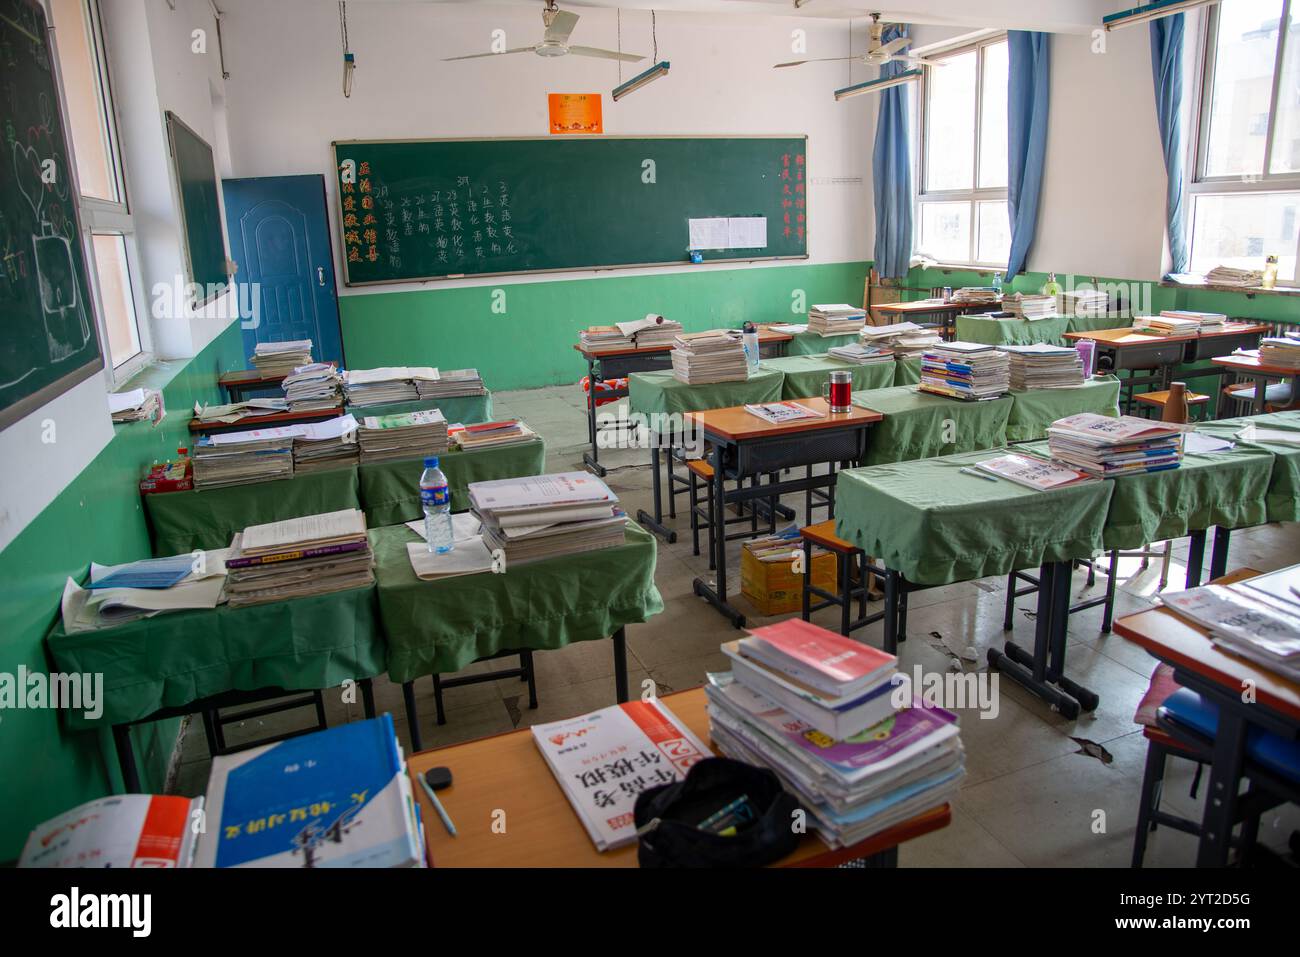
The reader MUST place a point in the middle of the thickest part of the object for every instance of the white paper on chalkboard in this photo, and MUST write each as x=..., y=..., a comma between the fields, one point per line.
x=728, y=232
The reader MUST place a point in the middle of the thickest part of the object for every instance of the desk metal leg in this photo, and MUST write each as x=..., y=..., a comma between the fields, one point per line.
x=620, y=665
x=1195, y=558
x=368, y=696
x=716, y=595
x=893, y=586
x=656, y=523
x=1219, y=553
x=1261, y=390
x=591, y=459
x=412, y=715
x=126, y=758
x=1221, y=801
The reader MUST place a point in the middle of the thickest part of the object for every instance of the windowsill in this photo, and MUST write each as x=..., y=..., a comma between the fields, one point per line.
x=1247, y=291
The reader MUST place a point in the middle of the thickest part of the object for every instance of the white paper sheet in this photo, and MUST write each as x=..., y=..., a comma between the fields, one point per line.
x=335, y=428
x=728, y=232
x=467, y=558
x=464, y=526
x=1196, y=442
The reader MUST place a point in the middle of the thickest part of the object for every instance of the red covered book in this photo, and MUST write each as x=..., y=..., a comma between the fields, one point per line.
x=821, y=659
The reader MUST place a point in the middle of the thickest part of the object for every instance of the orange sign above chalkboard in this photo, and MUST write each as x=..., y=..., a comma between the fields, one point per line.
x=575, y=113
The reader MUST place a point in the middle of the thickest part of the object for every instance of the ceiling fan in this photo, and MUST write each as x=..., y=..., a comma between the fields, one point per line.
x=878, y=54
x=555, y=41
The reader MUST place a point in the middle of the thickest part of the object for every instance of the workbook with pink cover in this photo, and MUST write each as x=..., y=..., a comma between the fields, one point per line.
x=829, y=662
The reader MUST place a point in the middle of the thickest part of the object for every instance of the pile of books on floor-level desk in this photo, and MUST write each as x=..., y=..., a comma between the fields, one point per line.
x=451, y=384
x=861, y=354
x=544, y=516
x=234, y=458
x=838, y=319
x=1044, y=366
x=1029, y=306
x=404, y=435
x=976, y=296
x=1205, y=321
x=325, y=445
x=311, y=555
x=1281, y=351
x=280, y=358
x=136, y=406
x=1083, y=303
x=1163, y=325
x=312, y=387
x=1230, y=276
x=965, y=370
x=838, y=725
x=704, y=357
x=1105, y=446
x=904, y=339
x=390, y=384
x=234, y=411
x=116, y=594
x=490, y=435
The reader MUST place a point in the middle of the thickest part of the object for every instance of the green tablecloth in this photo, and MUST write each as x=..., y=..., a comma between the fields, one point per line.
x=173, y=660
x=1033, y=411
x=660, y=392
x=1011, y=332
x=441, y=627
x=805, y=374
x=466, y=409
x=208, y=518
x=1282, y=500
x=390, y=491
x=809, y=343
x=937, y=525
x=1097, y=323
x=921, y=426
x=907, y=371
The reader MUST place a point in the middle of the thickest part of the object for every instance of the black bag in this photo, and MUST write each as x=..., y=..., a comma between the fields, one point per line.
x=723, y=814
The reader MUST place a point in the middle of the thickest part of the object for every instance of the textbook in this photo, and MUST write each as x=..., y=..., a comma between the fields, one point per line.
x=1033, y=472
x=123, y=830
x=779, y=412
x=831, y=663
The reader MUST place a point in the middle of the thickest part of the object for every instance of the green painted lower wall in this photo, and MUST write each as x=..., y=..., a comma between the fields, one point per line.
x=46, y=769
x=530, y=343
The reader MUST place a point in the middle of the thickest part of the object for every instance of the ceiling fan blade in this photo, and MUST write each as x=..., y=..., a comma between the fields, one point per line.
x=893, y=46
x=561, y=26
x=824, y=59
x=607, y=54
x=475, y=56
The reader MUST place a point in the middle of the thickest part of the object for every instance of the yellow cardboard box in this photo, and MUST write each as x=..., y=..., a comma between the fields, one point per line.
x=775, y=589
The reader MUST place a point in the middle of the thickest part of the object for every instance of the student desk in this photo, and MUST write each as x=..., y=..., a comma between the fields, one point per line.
x=439, y=627
x=1219, y=676
x=271, y=421
x=241, y=382
x=1012, y=331
x=810, y=343
x=204, y=659
x=929, y=524
x=465, y=409
x=806, y=374
x=918, y=425
x=946, y=312
x=507, y=772
x=1033, y=410
x=619, y=363
x=1282, y=499
x=907, y=370
x=745, y=445
x=1257, y=371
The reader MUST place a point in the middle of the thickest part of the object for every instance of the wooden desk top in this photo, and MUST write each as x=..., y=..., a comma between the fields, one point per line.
x=506, y=773
x=737, y=425
x=266, y=421
x=1132, y=337
x=765, y=337
x=1243, y=363
x=924, y=306
x=248, y=377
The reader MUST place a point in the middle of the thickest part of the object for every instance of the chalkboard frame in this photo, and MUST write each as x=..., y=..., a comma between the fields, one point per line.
x=173, y=122
x=338, y=205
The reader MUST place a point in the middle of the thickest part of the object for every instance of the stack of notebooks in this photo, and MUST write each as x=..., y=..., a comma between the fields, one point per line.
x=904, y=339
x=280, y=358
x=451, y=384
x=312, y=387
x=861, y=353
x=651, y=332
x=233, y=458
x=390, y=384
x=405, y=435
x=325, y=445
x=604, y=337
x=1084, y=303
x=1163, y=325
x=1205, y=321
x=234, y=411
x=1044, y=366
x=1030, y=306
x=1229, y=276
x=311, y=555
x=1105, y=446
x=838, y=725
x=838, y=319
x=1280, y=351
x=781, y=547
x=136, y=405
x=976, y=295
x=490, y=435
x=703, y=357
x=545, y=516
x=965, y=370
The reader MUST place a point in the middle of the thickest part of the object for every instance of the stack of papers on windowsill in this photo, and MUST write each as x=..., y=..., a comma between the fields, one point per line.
x=109, y=598
x=136, y=406
x=311, y=555
x=1231, y=276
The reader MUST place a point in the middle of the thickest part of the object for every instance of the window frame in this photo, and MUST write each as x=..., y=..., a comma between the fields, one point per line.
x=976, y=194
x=1199, y=184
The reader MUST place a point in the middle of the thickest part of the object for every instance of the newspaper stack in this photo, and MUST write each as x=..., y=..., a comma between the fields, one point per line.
x=904, y=339
x=384, y=386
x=1030, y=306
x=604, y=337
x=1084, y=303
x=135, y=406
x=861, y=354
x=1207, y=321
x=325, y=445
x=1107, y=446
x=234, y=411
x=1230, y=276
x=408, y=435
x=976, y=296
x=1044, y=366
x=280, y=358
x=311, y=555
x=838, y=319
x=235, y=458
x=1280, y=351
x=651, y=332
x=965, y=370
x=312, y=387
x=451, y=384
x=703, y=357
x=545, y=516
x=490, y=435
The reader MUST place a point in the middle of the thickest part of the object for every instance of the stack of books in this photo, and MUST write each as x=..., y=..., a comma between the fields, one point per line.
x=490, y=435
x=836, y=319
x=965, y=370
x=545, y=516
x=280, y=358
x=651, y=332
x=1230, y=276
x=312, y=387
x=833, y=719
x=136, y=405
x=861, y=353
x=325, y=445
x=1031, y=306
x=451, y=384
x=976, y=295
x=404, y=435
x=1033, y=472
x=1166, y=326
x=1044, y=366
x=311, y=555
x=234, y=458
x=703, y=357
x=234, y=411
x=1280, y=351
x=1084, y=303
x=904, y=339
x=1206, y=321
x=1105, y=446
x=604, y=337
x=390, y=384
x=781, y=547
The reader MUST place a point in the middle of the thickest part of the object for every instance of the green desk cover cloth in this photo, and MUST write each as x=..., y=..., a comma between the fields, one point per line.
x=209, y=518
x=937, y=525
x=390, y=491
x=809, y=343
x=661, y=392
x=465, y=409
x=1011, y=332
x=1097, y=323
x=1034, y=410
x=907, y=371
x=441, y=627
x=174, y=659
x=1282, y=500
x=806, y=374
x=920, y=426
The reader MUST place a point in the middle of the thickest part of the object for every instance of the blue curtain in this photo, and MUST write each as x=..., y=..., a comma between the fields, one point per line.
x=1166, y=69
x=1027, y=94
x=891, y=169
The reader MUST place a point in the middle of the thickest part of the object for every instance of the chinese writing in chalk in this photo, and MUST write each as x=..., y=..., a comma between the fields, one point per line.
x=794, y=196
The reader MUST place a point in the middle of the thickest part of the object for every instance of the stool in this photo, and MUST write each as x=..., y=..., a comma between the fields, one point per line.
x=1107, y=599
x=1277, y=396
x=846, y=555
x=1156, y=401
x=699, y=473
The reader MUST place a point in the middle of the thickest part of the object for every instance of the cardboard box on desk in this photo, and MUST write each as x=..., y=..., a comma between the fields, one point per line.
x=775, y=589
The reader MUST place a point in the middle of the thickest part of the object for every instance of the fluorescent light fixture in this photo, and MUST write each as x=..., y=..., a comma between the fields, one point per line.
x=1151, y=11
x=871, y=86
x=640, y=80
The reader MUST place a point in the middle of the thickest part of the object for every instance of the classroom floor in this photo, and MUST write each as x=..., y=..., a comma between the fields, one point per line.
x=1031, y=795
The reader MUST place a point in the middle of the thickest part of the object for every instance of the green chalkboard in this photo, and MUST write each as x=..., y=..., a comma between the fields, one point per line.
x=196, y=183
x=433, y=209
x=48, y=342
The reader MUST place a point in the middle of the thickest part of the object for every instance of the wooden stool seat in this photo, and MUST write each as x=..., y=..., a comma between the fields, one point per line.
x=823, y=534
x=1160, y=398
x=700, y=468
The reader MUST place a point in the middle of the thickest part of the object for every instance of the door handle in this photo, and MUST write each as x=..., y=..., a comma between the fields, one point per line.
x=320, y=275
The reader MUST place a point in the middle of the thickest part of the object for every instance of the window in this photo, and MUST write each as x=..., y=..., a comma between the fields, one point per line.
x=962, y=202
x=1246, y=185
x=105, y=215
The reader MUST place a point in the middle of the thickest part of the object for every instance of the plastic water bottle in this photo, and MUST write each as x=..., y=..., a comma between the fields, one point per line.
x=997, y=283
x=435, y=496
x=750, y=338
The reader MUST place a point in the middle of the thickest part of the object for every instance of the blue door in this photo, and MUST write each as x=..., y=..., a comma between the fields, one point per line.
x=279, y=236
